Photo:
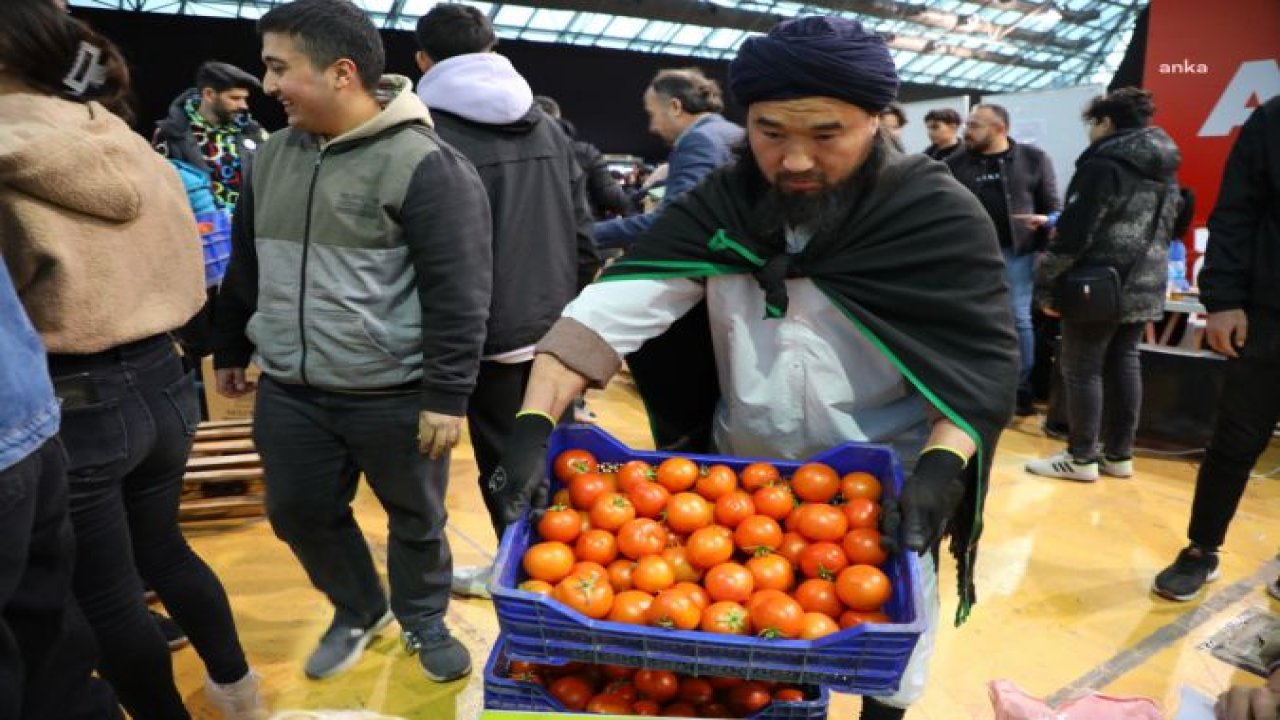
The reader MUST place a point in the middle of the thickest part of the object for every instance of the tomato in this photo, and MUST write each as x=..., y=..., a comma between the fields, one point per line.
x=776, y=501
x=677, y=474
x=649, y=498
x=604, y=704
x=674, y=610
x=573, y=462
x=758, y=532
x=634, y=473
x=729, y=581
x=562, y=498
x=695, y=591
x=611, y=511
x=850, y=618
x=641, y=537
x=550, y=561
x=624, y=689
x=862, y=547
x=726, y=618
x=586, y=488
x=586, y=568
x=695, y=691
x=542, y=587
x=823, y=560
x=617, y=672
x=520, y=667
x=816, y=595
x=815, y=483
x=598, y=546
x=724, y=683
x=822, y=523
x=710, y=546
x=572, y=691
x=678, y=556
x=584, y=522
x=734, y=507
x=653, y=574
x=559, y=523
x=620, y=574
x=713, y=710
x=788, y=694
x=758, y=475
x=771, y=572
x=793, y=545
x=657, y=685
x=778, y=616
x=716, y=482
x=680, y=710
x=817, y=625
x=631, y=607
x=646, y=707
x=688, y=511
x=862, y=513
x=859, y=484
x=590, y=596
x=863, y=587
x=748, y=698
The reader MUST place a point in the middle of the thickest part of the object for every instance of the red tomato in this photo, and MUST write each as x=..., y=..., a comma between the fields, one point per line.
x=641, y=537
x=657, y=685
x=792, y=547
x=685, y=571
x=590, y=596
x=573, y=462
x=818, y=625
x=598, y=546
x=776, y=501
x=647, y=708
x=695, y=691
x=649, y=498
x=604, y=704
x=677, y=474
x=559, y=523
x=695, y=591
x=758, y=475
x=748, y=698
x=713, y=710
x=550, y=561
x=572, y=691
x=653, y=574
x=590, y=569
x=624, y=689
x=850, y=618
x=863, y=587
x=758, y=532
x=823, y=560
x=617, y=672
x=862, y=547
x=771, y=572
x=620, y=574
x=688, y=511
x=729, y=581
x=680, y=710
x=822, y=523
x=788, y=694
x=727, y=618
x=710, y=546
x=778, y=616
x=862, y=513
x=542, y=587
x=816, y=595
x=815, y=483
x=586, y=488
x=674, y=610
x=860, y=485
x=716, y=482
x=634, y=473
x=631, y=607
x=611, y=511
x=734, y=507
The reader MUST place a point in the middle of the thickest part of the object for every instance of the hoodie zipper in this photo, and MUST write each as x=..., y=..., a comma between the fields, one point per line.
x=302, y=281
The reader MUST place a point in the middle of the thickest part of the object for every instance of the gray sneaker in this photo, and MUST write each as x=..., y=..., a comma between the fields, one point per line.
x=341, y=647
x=472, y=582
x=442, y=657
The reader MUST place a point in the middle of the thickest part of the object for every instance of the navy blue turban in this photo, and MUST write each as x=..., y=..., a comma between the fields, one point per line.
x=815, y=56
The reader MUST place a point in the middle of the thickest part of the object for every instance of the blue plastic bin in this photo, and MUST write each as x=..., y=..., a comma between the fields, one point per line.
x=503, y=693
x=867, y=659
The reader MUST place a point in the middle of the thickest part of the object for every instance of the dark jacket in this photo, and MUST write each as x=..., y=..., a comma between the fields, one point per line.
x=941, y=154
x=605, y=196
x=705, y=146
x=1029, y=187
x=174, y=140
x=1120, y=212
x=1242, y=265
x=362, y=262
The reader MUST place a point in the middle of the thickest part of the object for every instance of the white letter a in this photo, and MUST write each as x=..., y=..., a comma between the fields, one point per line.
x=1256, y=77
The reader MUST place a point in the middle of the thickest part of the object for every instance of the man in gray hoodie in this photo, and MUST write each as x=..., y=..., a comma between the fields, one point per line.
x=542, y=246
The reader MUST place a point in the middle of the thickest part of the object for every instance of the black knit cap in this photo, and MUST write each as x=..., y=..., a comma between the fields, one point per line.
x=818, y=56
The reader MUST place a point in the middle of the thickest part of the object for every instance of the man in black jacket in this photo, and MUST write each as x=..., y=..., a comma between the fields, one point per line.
x=605, y=195
x=1016, y=185
x=1240, y=286
x=542, y=246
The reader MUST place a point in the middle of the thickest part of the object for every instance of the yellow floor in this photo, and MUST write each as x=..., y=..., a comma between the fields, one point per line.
x=1063, y=585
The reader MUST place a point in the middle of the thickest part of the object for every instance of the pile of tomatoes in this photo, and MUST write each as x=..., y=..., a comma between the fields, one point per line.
x=616, y=690
x=686, y=547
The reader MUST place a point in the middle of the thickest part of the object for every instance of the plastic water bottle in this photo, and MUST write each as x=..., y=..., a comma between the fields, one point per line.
x=1177, y=267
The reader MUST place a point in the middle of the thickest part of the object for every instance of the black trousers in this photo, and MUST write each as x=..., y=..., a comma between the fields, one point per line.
x=490, y=413
x=47, y=651
x=1247, y=413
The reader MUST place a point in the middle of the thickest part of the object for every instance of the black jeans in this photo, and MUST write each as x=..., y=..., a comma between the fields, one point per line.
x=314, y=445
x=1247, y=413
x=47, y=651
x=129, y=416
x=490, y=414
x=1102, y=376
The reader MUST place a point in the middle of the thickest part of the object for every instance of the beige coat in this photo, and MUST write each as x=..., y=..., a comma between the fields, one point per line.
x=94, y=226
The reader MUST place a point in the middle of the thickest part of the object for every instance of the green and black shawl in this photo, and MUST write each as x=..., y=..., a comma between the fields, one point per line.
x=914, y=264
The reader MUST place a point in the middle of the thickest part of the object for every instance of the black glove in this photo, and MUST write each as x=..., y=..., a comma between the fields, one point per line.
x=929, y=499
x=521, y=471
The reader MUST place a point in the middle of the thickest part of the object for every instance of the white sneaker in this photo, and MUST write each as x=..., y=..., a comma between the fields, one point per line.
x=240, y=700
x=472, y=582
x=1115, y=468
x=1064, y=466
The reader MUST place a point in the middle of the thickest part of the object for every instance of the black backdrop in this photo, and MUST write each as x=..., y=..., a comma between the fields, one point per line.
x=598, y=89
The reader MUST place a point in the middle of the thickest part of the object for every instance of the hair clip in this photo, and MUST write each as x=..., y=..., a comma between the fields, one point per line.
x=88, y=70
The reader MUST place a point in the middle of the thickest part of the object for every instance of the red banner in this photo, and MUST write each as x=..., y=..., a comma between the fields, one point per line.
x=1209, y=65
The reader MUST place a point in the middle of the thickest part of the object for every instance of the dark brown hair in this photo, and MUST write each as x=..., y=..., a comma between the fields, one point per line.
x=43, y=45
x=1128, y=107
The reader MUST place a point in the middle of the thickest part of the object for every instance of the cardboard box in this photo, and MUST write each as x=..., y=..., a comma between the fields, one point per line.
x=221, y=408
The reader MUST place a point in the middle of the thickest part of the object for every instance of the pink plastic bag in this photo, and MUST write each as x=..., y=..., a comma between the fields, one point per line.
x=1011, y=703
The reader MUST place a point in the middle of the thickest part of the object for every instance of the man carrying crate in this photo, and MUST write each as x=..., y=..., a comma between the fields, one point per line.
x=840, y=290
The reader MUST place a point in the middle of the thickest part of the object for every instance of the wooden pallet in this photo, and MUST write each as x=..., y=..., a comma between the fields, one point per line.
x=224, y=474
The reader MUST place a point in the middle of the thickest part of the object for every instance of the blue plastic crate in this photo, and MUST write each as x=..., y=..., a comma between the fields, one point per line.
x=503, y=693
x=866, y=659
